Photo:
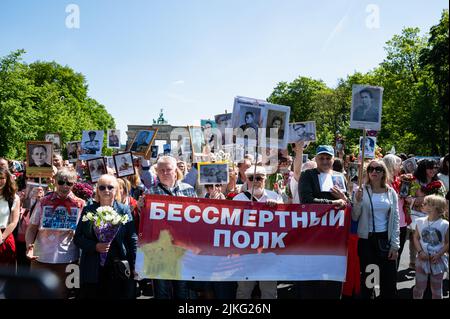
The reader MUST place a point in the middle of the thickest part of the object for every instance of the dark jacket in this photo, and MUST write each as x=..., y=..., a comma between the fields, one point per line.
x=309, y=189
x=123, y=246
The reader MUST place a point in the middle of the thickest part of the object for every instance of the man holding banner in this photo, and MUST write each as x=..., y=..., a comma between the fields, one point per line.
x=167, y=184
x=256, y=182
x=316, y=187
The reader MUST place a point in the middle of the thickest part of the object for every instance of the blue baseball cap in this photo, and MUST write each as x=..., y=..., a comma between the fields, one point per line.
x=327, y=149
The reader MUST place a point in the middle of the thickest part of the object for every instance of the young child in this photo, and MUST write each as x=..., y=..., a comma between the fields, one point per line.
x=431, y=242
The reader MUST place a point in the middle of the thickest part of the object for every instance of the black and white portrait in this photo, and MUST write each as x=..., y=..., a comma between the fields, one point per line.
x=97, y=167
x=114, y=138
x=39, y=159
x=55, y=139
x=369, y=151
x=247, y=119
x=91, y=144
x=123, y=163
x=339, y=182
x=302, y=131
x=73, y=150
x=197, y=139
x=409, y=165
x=276, y=125
x=213, y=173
x=366, y=107
x=352, y=171
x=223, y=122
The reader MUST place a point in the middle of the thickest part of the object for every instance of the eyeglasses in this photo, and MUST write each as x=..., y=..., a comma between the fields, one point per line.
x=257, y=178
x=103, y=187
x=377, y=169
x=61, y=183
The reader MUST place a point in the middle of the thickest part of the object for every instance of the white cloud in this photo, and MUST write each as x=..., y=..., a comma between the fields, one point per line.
x=179, y=82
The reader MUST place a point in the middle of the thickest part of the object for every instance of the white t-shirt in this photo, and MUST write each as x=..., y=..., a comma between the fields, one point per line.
x=266, y=195
x=4, y=210
x=381, y=207
x=326, y=182
x=293, y=185
x=432, y=239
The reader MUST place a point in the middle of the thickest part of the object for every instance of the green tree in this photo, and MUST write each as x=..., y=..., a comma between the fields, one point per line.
x=44, y=97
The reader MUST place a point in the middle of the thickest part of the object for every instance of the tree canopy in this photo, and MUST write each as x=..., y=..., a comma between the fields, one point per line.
x=414, y=76
x=44, y=97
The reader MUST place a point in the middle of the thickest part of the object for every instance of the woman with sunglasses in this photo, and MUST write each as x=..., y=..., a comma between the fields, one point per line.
x=9, y=216
x=376, y=210
x=49, y=236
x=106, y=281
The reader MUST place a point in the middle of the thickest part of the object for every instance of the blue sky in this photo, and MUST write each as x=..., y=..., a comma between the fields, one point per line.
x=192, y=57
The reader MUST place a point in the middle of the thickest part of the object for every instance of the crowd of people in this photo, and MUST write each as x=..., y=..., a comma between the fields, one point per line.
x=42, y=228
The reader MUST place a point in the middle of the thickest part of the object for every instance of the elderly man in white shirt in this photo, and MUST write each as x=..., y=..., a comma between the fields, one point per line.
x=256, y=182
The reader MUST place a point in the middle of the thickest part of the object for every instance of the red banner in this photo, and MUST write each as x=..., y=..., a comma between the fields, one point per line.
x=224, y=227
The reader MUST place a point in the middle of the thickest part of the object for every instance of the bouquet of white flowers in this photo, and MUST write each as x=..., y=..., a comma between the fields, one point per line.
x=106, y=225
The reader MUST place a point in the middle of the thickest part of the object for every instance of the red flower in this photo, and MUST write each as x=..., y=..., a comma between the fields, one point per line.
x=432, y=188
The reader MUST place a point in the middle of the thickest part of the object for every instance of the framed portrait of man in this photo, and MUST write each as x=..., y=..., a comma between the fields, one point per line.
x=247, y=120
x=369, y=151
x=353, y=172
x=55, y=139
x=225, y=128
x=123, y=163
x=91, y=144
x=366, y=107
x=96, y=167
x=142, y=142
x=39, y=159
x=212, y=173
x=409, y=165
x=30, y=193
x=113, y=138
x=213, y=137
x=302, y=131
x=73, y=150
x=339, y=182
x=198, y=141
x=276, y=125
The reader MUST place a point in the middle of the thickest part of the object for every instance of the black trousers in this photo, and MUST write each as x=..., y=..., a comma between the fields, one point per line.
x=108, y=287
x=368, y=255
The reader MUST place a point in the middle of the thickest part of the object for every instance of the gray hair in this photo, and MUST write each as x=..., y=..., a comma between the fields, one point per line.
x=167, y=159
x=66, y=173
x=391, y=161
